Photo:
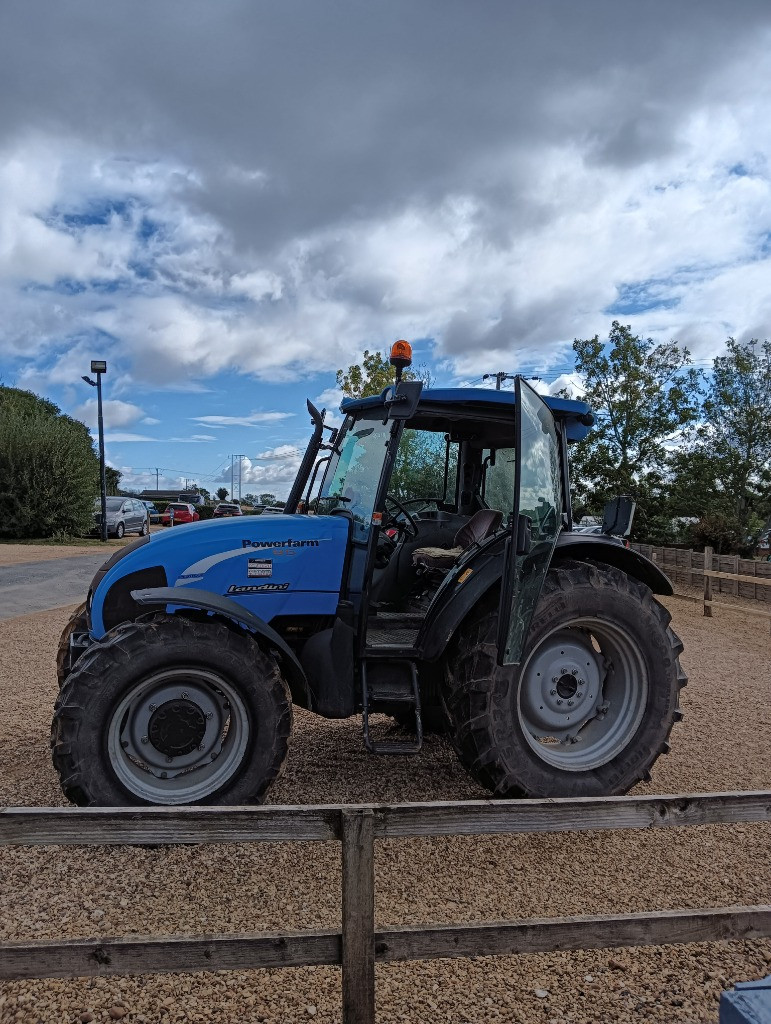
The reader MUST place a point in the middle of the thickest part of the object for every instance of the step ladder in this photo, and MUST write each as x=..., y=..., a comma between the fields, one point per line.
x=399, y=687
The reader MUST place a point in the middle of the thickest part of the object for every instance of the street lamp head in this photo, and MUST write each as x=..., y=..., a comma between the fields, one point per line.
x=89, y=381
x=98, y=366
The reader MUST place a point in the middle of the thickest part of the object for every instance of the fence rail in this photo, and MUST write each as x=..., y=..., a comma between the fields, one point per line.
x=739, y=577
x=358, y=946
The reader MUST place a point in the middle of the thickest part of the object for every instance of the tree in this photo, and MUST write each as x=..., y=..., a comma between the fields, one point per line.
x=204, y=494
x=374, y=374
x=734, y=439
x=222, y=493
x=644, y=397
x=49, y=472
x=112, y=479
x=266, y=498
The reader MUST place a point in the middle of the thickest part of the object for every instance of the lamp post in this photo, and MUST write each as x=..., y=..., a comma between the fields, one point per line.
x=99, y=366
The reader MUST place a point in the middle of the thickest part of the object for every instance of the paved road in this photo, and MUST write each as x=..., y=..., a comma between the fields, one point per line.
x=37, y=586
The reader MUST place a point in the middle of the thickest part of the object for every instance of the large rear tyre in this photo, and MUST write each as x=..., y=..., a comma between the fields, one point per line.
x=171, y=711
x=592, y=704
x=77, y=623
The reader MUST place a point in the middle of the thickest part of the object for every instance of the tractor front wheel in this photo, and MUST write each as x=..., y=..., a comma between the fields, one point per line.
x=77, y=623
x=171, y=711
x=592, y=704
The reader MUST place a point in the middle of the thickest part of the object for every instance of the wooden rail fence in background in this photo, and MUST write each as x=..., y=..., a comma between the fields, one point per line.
x=739, y=577
x=686, y=567
x=358, y=946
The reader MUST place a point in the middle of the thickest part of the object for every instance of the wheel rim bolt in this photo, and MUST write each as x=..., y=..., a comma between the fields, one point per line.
x=200, y=746
x=559, y=701
x=184, y=695
x=124, y=743
x=555, y=679
x=209, y=714
x=214, y=755
x=151, y=707
x=553, y=693
x=579, y=694
x=144, y=739
x=570, y=703
x=169, y=760
x=164, y=775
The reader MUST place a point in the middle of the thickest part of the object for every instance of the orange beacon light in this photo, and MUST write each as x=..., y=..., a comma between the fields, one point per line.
x=401, y=356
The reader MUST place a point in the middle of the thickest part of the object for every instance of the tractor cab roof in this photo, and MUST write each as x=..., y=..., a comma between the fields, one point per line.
x=461, y=411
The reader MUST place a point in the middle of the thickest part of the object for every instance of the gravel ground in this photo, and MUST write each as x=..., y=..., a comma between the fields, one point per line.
x=722, y=744
x=21, y=554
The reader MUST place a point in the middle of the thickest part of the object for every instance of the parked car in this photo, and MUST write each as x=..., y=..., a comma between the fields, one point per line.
x=273, y=510
x=183, y=513
x=124, y=515
x=225, y=508
x=152, y=511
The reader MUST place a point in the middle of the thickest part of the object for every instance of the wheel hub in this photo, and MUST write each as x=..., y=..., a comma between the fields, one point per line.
x=567, y=685
x=177, y=727
x=561, y=686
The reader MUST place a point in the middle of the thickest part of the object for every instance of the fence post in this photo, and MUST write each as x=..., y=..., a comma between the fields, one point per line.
x=707, y=582
x=736, y=570
x=358, y=835
x=690, y=567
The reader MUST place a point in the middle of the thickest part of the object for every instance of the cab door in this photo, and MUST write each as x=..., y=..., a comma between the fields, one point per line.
x=536, y=522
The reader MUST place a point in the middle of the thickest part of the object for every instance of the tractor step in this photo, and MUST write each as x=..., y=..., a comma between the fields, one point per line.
x=393, y=688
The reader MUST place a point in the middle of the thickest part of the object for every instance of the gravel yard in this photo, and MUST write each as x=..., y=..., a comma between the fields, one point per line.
x=20, y=554
x=722, y=744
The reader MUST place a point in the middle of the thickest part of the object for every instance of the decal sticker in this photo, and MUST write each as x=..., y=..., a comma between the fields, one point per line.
x=259, y=567
x=257, y=588
x=465, y=575
x=280, y=543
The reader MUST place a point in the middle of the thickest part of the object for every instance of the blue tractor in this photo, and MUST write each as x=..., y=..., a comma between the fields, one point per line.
x=474, y=608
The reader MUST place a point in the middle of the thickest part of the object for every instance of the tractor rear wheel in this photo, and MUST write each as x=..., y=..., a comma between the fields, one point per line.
x=592, y=704
x=77, y=623
x=171, y=711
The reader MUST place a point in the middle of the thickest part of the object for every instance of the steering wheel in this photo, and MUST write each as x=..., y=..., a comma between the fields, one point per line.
x=408, y=524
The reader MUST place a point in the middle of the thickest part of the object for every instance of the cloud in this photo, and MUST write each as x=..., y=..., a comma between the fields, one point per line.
x=119, y=437
x=282, y=451
x=242, y=421
x=115, y=413
x=333, y=183
x=278, y=474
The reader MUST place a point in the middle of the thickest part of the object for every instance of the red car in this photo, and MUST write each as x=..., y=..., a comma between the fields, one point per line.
x=182, y=514
x=225, y=508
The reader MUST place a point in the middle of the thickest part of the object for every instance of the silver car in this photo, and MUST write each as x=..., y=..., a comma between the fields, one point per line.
x=124, y=515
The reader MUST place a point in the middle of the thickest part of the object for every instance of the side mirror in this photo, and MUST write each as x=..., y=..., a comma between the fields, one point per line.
x=618, y=516
x=524, y=535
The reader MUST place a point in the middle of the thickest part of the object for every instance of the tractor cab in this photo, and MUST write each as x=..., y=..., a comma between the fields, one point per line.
x=444, y=492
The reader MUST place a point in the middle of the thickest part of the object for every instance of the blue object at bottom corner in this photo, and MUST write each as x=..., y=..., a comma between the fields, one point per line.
x=748, y=1003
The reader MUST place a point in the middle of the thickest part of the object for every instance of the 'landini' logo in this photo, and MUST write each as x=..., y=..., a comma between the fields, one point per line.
x=257, y=588
x=280, y=543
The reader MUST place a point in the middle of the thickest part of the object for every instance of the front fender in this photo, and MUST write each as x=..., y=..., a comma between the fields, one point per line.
x=204, y=600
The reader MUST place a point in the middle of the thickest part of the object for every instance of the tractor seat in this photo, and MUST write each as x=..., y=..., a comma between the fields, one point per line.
x=481, y=525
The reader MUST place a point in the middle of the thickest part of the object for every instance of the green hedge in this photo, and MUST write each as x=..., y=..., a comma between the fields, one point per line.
x=49, y=472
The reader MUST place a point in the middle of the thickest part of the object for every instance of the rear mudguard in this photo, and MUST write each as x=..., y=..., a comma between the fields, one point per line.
x=177, y=598
x=474, y=576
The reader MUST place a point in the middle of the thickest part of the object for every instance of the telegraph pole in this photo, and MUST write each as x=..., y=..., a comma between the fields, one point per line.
x=500, y=377
x=156, y=478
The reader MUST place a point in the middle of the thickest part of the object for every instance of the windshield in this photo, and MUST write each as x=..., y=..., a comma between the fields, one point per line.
x=353, y=474
x=112, y=504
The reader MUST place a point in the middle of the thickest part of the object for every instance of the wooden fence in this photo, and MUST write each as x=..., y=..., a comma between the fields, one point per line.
x=686, y=568
x=358, y=946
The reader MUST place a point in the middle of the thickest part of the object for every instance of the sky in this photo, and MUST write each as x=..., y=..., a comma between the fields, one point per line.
x=229, y=201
